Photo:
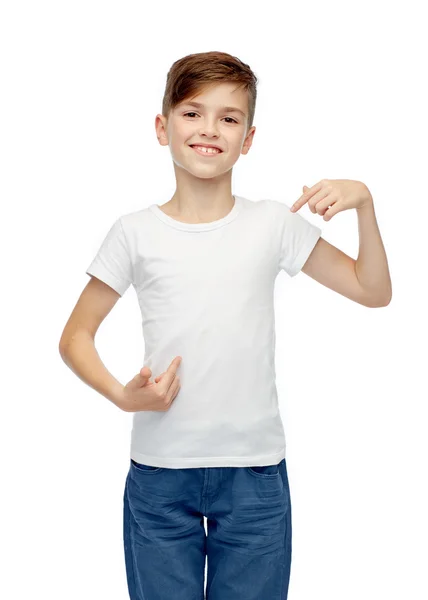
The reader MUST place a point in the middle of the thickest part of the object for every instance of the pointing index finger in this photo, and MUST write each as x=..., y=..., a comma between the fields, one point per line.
x=306, y=196
x=170, y=374
x=300, y=202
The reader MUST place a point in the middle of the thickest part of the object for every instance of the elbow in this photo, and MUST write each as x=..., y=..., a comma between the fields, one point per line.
x=61, y=349
x=388, y=298
x=63, y=345
x=381, y=303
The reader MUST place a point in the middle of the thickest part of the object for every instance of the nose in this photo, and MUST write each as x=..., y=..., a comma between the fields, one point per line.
x=209, y=129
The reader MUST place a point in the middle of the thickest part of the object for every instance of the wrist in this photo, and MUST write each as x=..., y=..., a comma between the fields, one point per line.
x=367, y=203
x=118, y=396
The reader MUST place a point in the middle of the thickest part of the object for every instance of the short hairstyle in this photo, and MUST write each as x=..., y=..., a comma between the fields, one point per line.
x=195, y=73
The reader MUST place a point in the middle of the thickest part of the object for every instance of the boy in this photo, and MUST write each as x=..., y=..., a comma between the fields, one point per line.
x=207, y=437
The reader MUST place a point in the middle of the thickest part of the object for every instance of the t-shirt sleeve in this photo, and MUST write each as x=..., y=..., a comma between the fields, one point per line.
x=298, y=239
x=112, y=263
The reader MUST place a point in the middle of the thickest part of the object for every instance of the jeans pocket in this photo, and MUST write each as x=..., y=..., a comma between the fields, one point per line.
x=145, y=468
x=264, y=471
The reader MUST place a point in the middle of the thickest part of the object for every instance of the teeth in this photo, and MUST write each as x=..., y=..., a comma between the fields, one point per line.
x=208, y=150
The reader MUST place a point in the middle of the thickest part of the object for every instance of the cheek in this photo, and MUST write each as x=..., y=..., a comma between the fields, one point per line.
x=183, y=135
x=236, y=146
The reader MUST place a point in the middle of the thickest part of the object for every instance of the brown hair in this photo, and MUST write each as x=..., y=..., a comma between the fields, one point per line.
x=194, y=73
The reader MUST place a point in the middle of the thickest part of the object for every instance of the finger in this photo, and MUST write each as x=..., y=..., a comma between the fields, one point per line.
x=173, y=390
x=141, y=378
x=159, y=377
x=306, y=196
x=175, y=363
x=300, y=202
x=170, y=374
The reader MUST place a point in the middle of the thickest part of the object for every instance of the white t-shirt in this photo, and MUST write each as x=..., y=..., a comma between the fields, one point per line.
x=206, y=293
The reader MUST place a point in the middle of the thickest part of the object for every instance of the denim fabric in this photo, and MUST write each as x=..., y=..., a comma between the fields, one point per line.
x=248, y=540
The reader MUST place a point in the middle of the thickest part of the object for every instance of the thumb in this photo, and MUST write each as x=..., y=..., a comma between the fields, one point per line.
x=305, y=188
x=142, y=377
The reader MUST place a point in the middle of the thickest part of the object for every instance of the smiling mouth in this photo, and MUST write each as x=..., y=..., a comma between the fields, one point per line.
x=205, y=153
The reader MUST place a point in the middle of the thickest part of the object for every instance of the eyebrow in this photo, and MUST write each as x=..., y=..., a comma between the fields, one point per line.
x=226, y=108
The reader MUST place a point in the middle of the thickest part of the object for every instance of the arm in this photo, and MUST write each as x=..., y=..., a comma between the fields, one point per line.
x=77, y=344
x=80, y=355
x=365, y=280
x=371, y=266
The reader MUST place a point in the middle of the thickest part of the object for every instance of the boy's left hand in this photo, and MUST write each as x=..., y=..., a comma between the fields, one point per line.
x=330, y=196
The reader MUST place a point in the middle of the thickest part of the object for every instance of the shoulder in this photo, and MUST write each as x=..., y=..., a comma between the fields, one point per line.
x=279, y=208
x=265, y=206
x=135, y=220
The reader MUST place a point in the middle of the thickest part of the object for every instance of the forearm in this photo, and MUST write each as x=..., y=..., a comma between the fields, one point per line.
x=80, y=355
x=372, y=265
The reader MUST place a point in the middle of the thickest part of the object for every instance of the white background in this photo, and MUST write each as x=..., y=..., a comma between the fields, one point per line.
x=341, y=94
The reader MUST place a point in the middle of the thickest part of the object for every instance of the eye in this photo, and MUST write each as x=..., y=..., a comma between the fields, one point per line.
x=193, y=113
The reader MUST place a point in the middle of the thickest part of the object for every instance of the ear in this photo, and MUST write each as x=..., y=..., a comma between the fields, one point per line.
x=161, y=125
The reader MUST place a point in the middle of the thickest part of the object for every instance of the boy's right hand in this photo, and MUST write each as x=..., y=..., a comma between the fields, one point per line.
x=141, y=394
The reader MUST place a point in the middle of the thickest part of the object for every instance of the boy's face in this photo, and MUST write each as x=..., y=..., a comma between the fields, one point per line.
x=208, y=124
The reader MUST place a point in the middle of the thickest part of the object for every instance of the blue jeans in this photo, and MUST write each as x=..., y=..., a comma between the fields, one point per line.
x=248, y=546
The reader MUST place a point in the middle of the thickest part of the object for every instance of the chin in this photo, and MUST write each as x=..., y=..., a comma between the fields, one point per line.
x=202, y=172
